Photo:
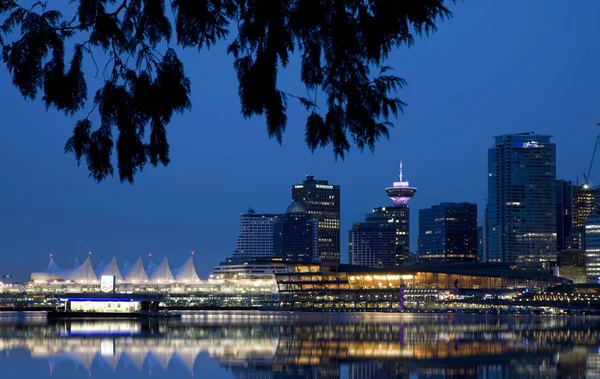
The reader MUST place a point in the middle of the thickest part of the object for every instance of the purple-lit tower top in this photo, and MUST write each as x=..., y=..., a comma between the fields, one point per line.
x=401, y=193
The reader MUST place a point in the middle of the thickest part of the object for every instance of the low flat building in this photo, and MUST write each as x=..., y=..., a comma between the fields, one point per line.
x=356, y=287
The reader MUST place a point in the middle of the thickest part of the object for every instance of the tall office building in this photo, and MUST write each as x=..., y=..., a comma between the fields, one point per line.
x=585, y=205
x=521, y=211
x=256, y=238
x=382, y=240
x=448, y=233
x=592, y=250
x=322, y=201
x=296, y=236
x=564, y=214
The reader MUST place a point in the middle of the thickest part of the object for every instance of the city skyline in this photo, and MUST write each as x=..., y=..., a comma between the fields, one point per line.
x=51, y=206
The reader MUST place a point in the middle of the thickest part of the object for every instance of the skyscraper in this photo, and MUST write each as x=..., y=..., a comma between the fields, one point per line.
x=322, y=201
x=521, y=210
x=586, y=205
x=256, y=235
x=564, y=213
x=592, y=250
x=448, y=233
x=383, y=239
x=480, y=244
x=296, y=236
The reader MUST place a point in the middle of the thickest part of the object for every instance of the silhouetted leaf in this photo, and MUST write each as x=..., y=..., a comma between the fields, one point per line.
x=339, y=43
x=79, y=143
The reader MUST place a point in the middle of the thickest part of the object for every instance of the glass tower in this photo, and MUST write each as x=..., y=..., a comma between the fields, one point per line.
x=521, y=209
x=448, y=233
x=592, y=250
x=322, y=201
x=564, y=214
x=296, y=236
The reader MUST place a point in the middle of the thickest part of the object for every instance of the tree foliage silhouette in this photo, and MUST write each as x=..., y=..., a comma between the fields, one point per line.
x=340, y=43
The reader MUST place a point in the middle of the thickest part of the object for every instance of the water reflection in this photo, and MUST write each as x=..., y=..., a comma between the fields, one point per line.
x=279, y=345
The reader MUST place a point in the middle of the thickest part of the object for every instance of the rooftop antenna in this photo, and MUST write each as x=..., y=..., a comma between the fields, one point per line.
x=400, y=170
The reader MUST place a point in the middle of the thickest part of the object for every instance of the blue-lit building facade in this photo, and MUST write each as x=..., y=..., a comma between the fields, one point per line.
x=322, y=201
x=521, y=209
x=448, y=233
x=296, y=236
x=592, y=250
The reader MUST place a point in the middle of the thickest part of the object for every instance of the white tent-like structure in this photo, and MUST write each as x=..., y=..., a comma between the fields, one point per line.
x=187, y=272
x=82, y=274
x=111, y=269
x=52, y=266
x=151, y=264
x=101, y=264
x=130, y=273
x=135, y=273
x=52, y=272
x=161, y=273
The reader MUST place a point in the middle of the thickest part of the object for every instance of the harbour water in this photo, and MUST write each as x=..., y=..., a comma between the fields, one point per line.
x=302, y=345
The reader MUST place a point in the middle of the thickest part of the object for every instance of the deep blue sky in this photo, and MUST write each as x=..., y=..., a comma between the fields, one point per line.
x=494, y=68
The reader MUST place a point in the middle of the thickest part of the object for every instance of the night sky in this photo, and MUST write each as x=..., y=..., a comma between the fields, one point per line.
x=494, y=68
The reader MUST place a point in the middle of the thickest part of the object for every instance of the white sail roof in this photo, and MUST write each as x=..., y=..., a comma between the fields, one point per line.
x=52, y=266
x=83, y=273
x=151, y=264
x=161, y=273
x=187, y=272
x=111, y=269
x=135, y=273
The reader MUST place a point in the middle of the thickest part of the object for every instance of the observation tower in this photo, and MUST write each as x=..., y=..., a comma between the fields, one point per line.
x=400, y=192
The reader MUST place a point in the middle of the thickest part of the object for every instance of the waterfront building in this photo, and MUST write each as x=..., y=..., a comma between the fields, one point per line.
x=357, y=287
x=564, y=214
x=592, y=250
x=296, y=236
x=383, y=239
x=134, y=274
x=322, y=201
x=256, y=238
x=521, y=210
x=448, y=233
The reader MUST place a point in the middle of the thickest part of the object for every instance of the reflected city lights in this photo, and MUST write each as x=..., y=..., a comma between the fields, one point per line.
x=372, y=345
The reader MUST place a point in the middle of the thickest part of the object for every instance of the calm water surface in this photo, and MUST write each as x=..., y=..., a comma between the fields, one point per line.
x=292, y=345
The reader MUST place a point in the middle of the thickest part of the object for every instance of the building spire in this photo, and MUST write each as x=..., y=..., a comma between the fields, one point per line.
x=400, y=170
